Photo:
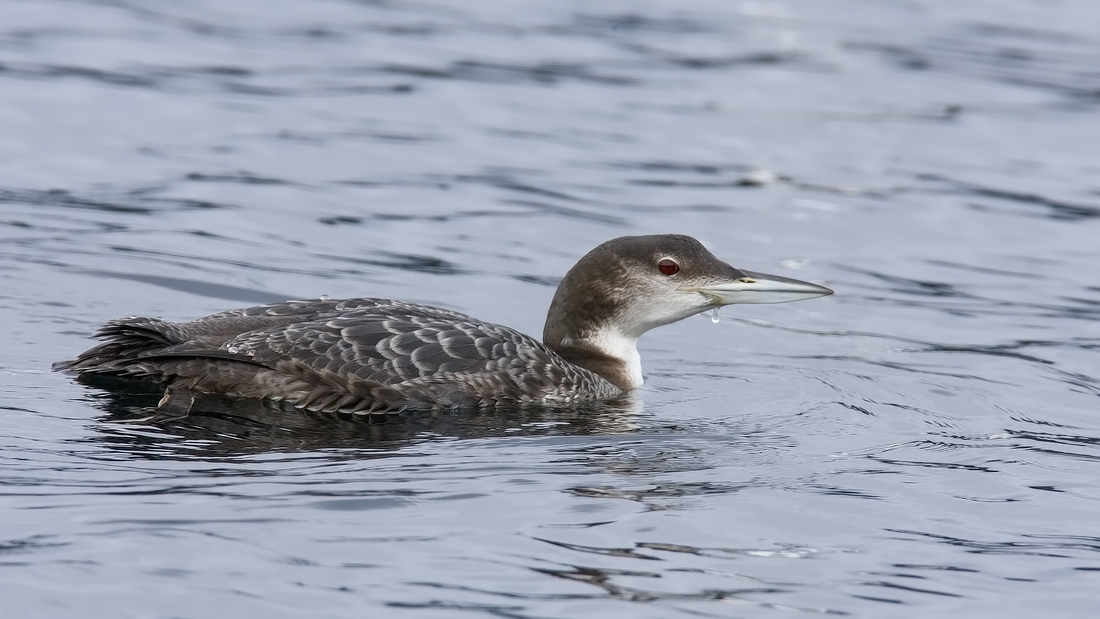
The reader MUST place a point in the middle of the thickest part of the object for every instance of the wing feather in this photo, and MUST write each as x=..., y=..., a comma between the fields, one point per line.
x=353, y=354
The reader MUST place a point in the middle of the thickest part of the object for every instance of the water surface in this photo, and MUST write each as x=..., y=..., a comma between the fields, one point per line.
x=924, y=443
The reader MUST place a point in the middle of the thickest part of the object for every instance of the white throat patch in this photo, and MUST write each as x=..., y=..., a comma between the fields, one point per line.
x=621, y=347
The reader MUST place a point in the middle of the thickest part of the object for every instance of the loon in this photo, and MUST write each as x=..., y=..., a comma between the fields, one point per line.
x=371, y=355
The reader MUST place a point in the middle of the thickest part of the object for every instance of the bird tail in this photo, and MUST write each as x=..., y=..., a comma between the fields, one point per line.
x=126, y=340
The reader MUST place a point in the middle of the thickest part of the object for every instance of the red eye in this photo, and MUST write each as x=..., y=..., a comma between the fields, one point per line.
x=668, y=267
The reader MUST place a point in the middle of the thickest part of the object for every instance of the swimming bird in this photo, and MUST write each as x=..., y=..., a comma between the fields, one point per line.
x=380, y=355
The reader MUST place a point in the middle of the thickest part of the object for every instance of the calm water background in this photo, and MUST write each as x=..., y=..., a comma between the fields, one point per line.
x=925, y=443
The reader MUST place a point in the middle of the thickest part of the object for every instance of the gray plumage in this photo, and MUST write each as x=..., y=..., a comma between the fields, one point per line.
x=379, y=355
x=354, y=355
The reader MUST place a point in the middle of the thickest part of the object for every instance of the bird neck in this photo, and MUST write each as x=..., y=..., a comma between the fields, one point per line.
x=591, y=340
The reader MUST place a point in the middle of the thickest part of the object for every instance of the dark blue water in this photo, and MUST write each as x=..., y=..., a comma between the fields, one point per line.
x=924, y=443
